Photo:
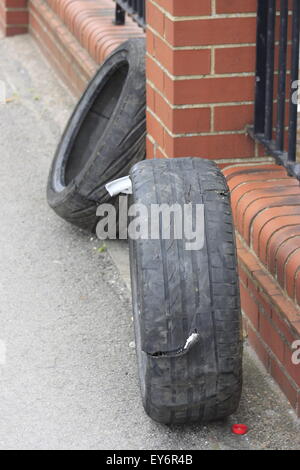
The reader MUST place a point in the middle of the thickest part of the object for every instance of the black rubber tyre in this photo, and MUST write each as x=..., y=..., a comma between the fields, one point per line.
x=104, y=137
x=177, y=293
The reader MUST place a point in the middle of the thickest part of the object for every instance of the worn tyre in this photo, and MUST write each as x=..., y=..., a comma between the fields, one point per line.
x=104, y=137
x=186, y=303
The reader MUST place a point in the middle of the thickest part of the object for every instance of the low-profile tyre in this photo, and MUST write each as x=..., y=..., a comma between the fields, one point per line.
x=186, y=303
x=104, y=137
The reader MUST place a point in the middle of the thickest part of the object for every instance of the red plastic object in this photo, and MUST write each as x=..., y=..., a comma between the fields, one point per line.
x=239, y=429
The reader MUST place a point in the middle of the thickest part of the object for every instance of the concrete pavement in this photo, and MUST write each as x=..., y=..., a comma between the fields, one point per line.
x=69, y=379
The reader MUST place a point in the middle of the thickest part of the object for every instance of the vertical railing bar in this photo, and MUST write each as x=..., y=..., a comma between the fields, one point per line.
x=261, y=54
x=270, y=70
x=120, y=15
x=262, y=131
x=140, y=9
x=135, y=8
x=143, y=12
x=294, y=78
x=282, y=64
x=143, y=9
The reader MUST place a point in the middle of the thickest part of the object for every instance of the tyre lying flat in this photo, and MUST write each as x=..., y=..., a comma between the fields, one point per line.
x=104, y=137
x=186, y=302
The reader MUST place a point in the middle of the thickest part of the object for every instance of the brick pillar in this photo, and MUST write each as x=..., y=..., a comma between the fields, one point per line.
x=201, y=78
x=13, y=17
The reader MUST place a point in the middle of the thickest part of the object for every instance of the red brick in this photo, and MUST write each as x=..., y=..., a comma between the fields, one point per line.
x=159, y=153
x=297, y=286
x=249, y=170
x=236, y=6
x=258, y=346
x=155, y=18
x=155, y=129
x=293, y=370
x=211, y=31
x=283, y=234
x=190, y=8
x=179, y=62
x=263, y=212
x=290, y=269
x=284, y=382
x=284, y=253
x=155, y=74
x=270, y=228
x=266, y=282
x=149, y=148
x=243, y=276
x=17, y=17
x=247, y=174
x=259, y=200
x=284, y=327
x=13, y=17
x=233, y=118
x=274, y=207
x=263, y=303
x=271, y=337
x=249, y=306
x=16, y=3
x=235, y=59
x=180, y=121
x=209, y=90
x=150, y=97
x=210, y=146
x=240, y=191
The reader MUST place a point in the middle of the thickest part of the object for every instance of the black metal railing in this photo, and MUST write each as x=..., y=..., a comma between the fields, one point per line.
x=276, y=107
x=135, y=8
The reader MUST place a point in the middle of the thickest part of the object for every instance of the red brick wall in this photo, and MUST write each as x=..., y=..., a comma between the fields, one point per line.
x=201, y=63
x=272, y=324
x=266, y=210
x=13, y=17
x=200, y=97
x=76, y=36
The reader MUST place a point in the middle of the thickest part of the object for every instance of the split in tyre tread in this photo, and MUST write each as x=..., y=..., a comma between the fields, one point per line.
x=176, y=291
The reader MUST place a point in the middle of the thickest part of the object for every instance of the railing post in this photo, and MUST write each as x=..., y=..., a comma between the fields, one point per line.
x=120, y=16
x=284, y=10
x=270, y=69
x=261, y=57
x=275, y=140
x=294, y=79
x=135, y=8
x=201, y=74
